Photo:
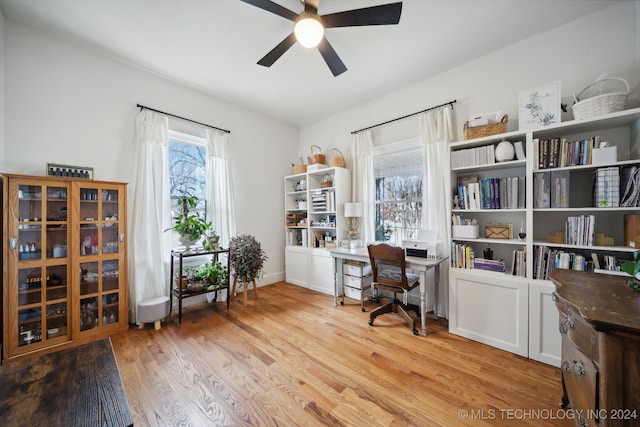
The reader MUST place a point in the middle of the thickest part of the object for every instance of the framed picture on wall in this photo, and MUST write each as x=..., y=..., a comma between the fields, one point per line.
x=539, y=106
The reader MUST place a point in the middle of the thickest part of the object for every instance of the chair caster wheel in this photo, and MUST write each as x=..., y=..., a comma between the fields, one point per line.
x=370, y=322
x=341, y=302
x=362, y=308
x=415, y=331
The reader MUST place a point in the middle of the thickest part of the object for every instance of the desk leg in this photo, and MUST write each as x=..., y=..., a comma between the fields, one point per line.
x=423, y=302
x=435, y=291
x=337, y=280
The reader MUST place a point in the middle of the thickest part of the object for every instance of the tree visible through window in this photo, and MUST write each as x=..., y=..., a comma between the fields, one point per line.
x=187, y=173
x=398, y=205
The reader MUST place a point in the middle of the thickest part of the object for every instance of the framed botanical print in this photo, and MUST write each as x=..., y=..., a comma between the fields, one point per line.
x=539, y=106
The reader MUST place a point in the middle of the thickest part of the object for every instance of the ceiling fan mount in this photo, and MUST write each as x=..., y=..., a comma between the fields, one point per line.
x=310, y=23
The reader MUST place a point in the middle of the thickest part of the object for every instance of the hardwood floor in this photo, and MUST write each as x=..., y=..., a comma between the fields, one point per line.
x=292, y=358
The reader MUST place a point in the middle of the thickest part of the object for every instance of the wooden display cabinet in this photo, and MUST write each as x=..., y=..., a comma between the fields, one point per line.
x=65, y=266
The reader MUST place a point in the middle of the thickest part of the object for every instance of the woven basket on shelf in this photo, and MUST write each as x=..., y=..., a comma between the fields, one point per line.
x=316, y=157
x=599, y=104
x=336, y=160
x=486, y=130
x=300, y=167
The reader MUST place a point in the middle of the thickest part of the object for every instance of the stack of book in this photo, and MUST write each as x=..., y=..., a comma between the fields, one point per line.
x=489, y=264
x=560, y=153
x=579, y=230
x=477, y=156
x=551, y=189
x=546, y=259
x=493, y=193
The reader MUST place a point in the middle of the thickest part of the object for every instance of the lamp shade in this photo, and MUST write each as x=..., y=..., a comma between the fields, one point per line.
x=353, y=210
x=308, y=30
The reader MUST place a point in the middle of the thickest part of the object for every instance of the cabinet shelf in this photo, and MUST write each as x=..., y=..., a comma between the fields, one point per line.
x=501, y=165
x=494, y=241
x=586, y=248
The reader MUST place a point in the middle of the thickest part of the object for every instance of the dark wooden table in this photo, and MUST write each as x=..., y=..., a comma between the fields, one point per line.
x=78, y=386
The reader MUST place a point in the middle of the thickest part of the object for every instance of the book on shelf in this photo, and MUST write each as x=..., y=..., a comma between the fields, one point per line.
x=559, y=189
x=519, y=263
x=630, y=186
x=580, y=230
x=493, y=193
x=558, y=152
x=489, y=264
x=542, y=190
x=607, y=187
x=546, y=259
x=477, y=156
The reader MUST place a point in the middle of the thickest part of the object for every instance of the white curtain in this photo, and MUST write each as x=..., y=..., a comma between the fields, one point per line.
x=149, y=246
x=362, y=182
x=221, y=206
x=436, y=131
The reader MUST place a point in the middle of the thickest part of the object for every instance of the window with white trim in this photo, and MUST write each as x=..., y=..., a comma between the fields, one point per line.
x=399, y=179
x=187, y=172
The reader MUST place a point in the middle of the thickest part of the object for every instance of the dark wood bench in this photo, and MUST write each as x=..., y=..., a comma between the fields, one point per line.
x=77, y=386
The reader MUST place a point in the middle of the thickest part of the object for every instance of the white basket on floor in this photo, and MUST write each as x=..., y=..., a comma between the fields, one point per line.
x=600, y=104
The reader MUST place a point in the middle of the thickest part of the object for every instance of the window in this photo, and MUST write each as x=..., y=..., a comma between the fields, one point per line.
x=187, y=172
x=398, y=194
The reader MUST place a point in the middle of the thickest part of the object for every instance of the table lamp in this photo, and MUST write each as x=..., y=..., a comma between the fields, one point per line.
x=352, y=214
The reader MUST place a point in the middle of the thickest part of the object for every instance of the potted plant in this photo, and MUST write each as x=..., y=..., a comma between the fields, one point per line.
x=217, y=275
x=632, y=268
x=246, y=257
x=188, y=224
x=211, y=241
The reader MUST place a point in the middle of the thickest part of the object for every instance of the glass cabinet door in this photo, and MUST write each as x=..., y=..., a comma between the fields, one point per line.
x=42, y=263
x=100, y=239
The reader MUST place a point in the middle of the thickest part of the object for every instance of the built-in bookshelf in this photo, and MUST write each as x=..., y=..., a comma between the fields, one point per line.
x=314, y=223
x=581, y=211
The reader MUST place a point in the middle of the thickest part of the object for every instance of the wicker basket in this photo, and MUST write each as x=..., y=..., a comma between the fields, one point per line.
x=299, y=167
x=600, y=104
x=336, y=160
x=316, y=157
x=486, y=130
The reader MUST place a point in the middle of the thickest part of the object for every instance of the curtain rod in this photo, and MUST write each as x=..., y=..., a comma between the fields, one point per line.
x=404, y=117
x=182, y=118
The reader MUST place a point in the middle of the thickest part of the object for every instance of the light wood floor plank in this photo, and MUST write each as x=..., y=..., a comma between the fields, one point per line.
x=292, y=358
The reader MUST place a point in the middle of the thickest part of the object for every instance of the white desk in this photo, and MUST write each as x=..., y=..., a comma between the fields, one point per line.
x=415, y=263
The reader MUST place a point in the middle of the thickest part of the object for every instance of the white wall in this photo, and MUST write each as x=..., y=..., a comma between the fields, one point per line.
x=575, y=54
x=2, y=130
x=66, y=104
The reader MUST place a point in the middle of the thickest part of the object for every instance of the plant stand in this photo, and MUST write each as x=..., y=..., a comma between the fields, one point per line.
x=181, y=294
x=245, y=285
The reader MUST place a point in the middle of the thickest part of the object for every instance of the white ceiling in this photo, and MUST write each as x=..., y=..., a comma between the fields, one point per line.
x=213, y=45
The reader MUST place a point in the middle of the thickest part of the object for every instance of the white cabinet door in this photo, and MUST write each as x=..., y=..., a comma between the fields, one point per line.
x=545, y=342
x=321, y=271
x=296, y=261
x=489, y=308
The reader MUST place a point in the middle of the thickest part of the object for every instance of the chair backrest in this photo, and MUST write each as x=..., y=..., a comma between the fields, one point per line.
x=388, y=266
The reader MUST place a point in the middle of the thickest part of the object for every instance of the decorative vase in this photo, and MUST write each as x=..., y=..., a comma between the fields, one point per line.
x=186, y=241
x=504, y=151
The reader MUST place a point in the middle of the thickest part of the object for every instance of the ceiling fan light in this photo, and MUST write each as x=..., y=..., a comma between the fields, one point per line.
x=308, y=30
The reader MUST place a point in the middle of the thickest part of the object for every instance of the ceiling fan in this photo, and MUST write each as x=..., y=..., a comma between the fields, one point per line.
x=309, y=27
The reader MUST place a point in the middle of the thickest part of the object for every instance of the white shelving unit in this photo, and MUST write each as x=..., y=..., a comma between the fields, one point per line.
x=516, y=313
x=314, y=222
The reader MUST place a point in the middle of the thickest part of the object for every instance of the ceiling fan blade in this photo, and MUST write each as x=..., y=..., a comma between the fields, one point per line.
x=332, y=59
x=272, y=7
x=385, y=14
x=278, y=51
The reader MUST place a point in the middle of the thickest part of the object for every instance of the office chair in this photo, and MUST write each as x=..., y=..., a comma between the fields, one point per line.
x=389, y=273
